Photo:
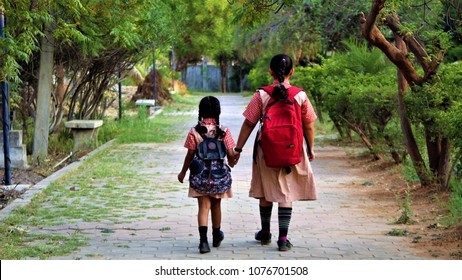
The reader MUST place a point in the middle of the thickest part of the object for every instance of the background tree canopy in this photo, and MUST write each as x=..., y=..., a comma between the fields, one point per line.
x=347, y=54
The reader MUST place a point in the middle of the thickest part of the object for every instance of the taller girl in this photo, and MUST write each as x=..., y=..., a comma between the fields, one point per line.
x=281, y=185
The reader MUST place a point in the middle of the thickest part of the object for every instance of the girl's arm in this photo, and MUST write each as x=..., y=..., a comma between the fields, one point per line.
x=308, y=130
x=246, y=130
x=187, y=160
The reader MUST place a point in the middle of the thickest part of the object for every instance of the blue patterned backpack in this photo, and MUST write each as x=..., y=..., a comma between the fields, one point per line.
x=208, y=171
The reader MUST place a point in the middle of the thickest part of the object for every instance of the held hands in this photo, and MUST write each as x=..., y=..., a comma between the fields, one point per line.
x=233, y=155
x=235, y=159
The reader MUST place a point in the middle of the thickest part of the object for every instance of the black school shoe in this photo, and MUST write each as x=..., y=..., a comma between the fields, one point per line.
x=264, y=238
x=204, y=247
x=284, y=245
x=217, y=239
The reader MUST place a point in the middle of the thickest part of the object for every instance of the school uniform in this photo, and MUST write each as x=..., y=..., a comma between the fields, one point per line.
x=275, y=184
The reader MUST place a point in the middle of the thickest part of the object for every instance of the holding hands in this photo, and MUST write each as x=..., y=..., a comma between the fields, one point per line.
x=237, y=155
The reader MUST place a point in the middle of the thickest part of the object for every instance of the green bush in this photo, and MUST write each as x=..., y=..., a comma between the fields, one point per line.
x=454, y=204
x=358, y=91
x=259, y=75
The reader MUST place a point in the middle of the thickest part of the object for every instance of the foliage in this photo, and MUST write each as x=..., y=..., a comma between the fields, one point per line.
x=357, y=89
x=199, y=28
x=405, y=206
x=311, y=80
x=302, y=29
x=440, y=102
x=259, y=75
x=455, y=204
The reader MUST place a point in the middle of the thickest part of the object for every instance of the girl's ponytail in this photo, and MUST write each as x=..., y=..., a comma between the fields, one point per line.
x=209, y=107
x=281, y=65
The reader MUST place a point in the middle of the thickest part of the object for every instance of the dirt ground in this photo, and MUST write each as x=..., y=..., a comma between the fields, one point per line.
x=425, y=230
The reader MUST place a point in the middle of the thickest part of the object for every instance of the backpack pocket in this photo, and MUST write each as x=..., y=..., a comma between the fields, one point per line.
x=221, y=172
x=282, y=146
x=196, y=166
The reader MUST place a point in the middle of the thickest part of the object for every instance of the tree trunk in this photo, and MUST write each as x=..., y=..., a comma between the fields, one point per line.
x=318, y=107
x=364, y=137
x=42, y=118
x=438, y=149
x=184, y=76
x=409, y=139
x=58, y=100
x=224, y=73
x=394, y=154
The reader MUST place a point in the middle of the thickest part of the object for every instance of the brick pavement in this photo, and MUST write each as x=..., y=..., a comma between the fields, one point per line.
x=335, y=227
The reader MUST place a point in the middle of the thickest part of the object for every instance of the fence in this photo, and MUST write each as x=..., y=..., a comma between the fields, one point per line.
x=208, y=78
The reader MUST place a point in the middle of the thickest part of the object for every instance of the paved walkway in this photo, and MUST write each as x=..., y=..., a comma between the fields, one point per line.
x=338, y=226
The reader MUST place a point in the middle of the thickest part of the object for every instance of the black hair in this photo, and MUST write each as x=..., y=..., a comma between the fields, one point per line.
x=281, y=65
x=209, y=107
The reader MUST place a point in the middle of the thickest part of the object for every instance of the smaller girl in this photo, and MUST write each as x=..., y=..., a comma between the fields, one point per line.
x=208, y=193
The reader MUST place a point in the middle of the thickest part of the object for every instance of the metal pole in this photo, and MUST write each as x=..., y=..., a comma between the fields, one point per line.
x=155, y=77
x=120, y=93
x=5, y=114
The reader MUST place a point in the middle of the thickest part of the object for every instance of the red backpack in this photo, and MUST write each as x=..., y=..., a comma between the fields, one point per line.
x=282, y=131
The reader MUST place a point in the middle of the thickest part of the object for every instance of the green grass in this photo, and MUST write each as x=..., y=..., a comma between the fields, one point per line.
x=137, y=127
x=409, y=171
x=454, y=204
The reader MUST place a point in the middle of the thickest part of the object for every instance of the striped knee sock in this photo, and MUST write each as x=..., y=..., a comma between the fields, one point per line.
x=284, y=216
x=265, y=217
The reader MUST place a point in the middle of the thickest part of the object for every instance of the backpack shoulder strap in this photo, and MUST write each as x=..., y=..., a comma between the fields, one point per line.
x=294, y=90
x=224, y=128
x=268, y=89
x=197, y=136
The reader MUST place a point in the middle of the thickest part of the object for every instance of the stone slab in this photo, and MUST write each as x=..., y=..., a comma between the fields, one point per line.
x=146, y=102
x=83, y=124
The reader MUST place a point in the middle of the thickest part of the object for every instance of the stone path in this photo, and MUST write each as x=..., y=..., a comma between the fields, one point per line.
x=335, y=227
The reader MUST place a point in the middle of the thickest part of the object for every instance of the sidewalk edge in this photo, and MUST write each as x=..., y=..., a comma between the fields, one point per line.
x=40, y=186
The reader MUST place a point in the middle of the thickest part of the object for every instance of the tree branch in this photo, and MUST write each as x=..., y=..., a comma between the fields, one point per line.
x=414, y=46
x=372, y=17
x=372, y=34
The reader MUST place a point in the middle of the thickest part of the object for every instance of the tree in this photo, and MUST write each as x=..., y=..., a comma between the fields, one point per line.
x=90, y=44
x=303, y=29
x=222, y=47
x=437, y=144
x=41, y=129
x=200, y=28
x=356, y=88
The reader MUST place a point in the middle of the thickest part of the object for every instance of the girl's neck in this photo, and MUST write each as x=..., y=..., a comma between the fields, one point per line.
x=286, y=83
x=209, y=121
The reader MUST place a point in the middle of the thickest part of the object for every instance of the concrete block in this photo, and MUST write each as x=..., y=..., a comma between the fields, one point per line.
x=15, y=138
x=18, y=155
